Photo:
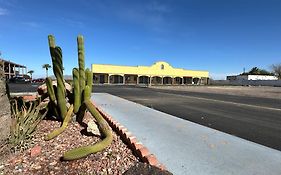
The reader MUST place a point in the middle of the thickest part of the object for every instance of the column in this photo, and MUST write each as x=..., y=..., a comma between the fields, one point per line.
x=9, y=70
x=162, y=80
x=137, y=79
x=108, y=79
x=182, y=81
x=150, y=80
x=124, y=80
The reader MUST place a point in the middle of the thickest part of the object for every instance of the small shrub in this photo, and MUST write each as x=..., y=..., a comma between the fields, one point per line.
x=25, y=118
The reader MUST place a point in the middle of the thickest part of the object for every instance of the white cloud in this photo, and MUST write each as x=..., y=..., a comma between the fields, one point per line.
x=3, y=11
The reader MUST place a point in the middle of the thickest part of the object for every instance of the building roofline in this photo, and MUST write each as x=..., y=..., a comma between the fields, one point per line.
x=19, y=65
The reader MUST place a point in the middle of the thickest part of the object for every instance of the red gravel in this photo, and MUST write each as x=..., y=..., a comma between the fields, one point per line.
x=115, y=159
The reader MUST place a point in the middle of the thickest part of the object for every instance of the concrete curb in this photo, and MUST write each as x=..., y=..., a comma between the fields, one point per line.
x=137, y=147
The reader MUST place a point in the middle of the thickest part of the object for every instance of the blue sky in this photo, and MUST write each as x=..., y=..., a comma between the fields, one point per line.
x=221, y=36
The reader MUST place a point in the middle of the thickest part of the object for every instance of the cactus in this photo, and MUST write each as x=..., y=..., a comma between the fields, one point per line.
x=76, y=90
x=81, y=62
x=82, y=88
x=56, y=54
x=64, y=125
x=89, y=79
x=80, y=152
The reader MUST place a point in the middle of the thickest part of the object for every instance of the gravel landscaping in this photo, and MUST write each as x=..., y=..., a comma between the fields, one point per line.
x=44, y=156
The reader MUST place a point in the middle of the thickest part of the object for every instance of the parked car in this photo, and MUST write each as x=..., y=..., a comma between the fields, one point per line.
x=38, y=80
x=19, y=80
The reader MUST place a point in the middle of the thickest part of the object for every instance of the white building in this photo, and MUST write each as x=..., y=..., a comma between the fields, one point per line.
x=251, y=77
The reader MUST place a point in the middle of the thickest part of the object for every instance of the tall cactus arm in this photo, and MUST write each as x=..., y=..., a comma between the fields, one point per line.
x=76, y=90
x=50, y=90
x=81, y=62
x=51, y=40
x=63, y=127
x=61, y=101
x=89, y=78
x=80, y=152
x=56, y=54
x=87, y=93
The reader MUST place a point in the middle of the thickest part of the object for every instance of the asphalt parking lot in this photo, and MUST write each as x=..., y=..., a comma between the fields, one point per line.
x=253, y=118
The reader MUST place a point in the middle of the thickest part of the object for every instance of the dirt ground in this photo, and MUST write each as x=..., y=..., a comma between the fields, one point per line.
x=252, y=91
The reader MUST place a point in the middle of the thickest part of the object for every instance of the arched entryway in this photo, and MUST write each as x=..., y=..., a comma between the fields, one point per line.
x=131, y=79
x=167, y=80
x=100, y=78
x=187, y=80
x=196, y=80
x=156, y=80
x=178, y=80
x=116, y=79
x=144, y=80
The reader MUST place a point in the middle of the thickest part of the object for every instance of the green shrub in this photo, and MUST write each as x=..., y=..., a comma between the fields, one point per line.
x=25, y=118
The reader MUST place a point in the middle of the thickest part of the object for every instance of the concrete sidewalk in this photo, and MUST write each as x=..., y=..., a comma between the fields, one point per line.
x=188, y=148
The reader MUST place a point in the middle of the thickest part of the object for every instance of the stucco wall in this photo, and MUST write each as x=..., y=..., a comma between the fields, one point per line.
x=158, y=69
x=5, y=112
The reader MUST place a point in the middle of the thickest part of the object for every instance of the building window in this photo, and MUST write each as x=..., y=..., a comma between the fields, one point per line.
x=162, y=66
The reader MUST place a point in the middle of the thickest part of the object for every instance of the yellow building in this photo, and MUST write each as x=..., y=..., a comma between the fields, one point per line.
x=157, y=74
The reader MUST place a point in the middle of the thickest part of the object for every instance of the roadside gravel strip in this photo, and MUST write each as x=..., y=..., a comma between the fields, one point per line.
x=188, y=148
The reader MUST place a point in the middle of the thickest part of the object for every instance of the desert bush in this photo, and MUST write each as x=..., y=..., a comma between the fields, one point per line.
x=25, y=118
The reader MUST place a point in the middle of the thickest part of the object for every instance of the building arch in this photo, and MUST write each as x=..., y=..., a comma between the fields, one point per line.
x=196, y=80
x=116, y=79
x=144, y=79
x=156, y=80
x=167, y=80
x=131, y=78
x=178, y=80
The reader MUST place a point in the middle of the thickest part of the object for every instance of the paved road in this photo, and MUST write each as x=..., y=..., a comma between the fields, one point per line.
x=254, y=119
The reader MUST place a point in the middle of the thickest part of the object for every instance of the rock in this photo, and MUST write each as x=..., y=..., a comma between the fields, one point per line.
x=29, y=97
x=5, y=113
x=53, y=163
x=43, y=88
x=35, y=151
x=93, y=128
x=37, y=167
x=143, y=168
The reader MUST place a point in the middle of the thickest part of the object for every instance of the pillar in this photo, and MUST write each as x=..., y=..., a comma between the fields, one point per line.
x=162, y=81
x=108, y=79
x=150, y=80
x=9, y=70
x=124, y=79
x=137, y=79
